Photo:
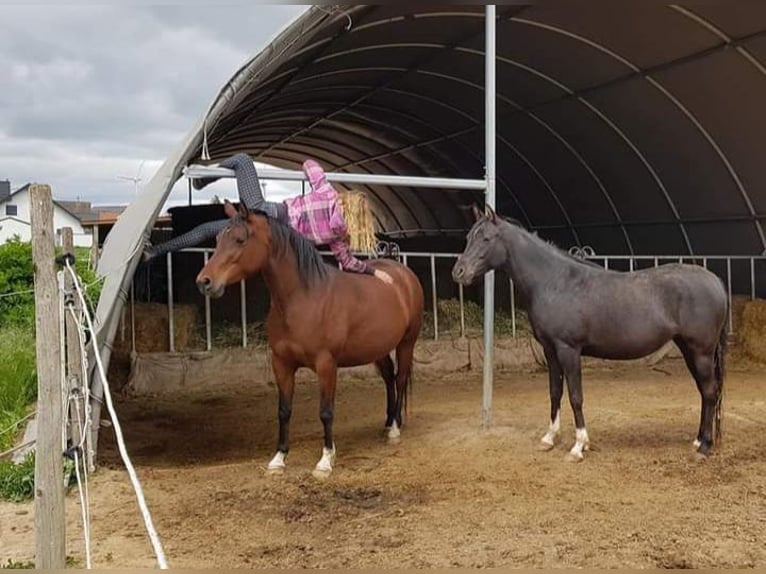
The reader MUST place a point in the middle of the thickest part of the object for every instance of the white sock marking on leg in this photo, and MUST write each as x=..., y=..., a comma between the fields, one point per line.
x=328, y=459
x=581, y=442
x=278, y=462
x=553, y=430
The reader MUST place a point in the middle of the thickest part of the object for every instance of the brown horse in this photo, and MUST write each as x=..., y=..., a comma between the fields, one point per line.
x=320, y=317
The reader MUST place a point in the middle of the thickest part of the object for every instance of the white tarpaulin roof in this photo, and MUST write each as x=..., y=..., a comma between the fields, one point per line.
x=123, y=246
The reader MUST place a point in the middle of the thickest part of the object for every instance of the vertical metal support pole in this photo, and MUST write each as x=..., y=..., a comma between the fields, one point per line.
x=513, y=310
x=243, y=308
x=752, y=278
x=122, y=324
x=208, y=323
x=606, y=263
x=462, y=311
x=728, y=286
x=656, y=262
x=171, y=326
x=404, y=260
x=132, y=316
x=489, y=152
x=189, y=181
x=630, y=262
x=704, y=262
x=433, y=297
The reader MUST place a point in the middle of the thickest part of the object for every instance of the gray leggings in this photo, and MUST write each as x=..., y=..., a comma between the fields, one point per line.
x=250, y=193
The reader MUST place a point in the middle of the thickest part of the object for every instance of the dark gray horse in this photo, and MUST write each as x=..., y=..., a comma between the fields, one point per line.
x=577, y=308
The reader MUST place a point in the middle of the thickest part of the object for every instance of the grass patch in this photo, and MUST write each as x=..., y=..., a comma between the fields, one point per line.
x=18, y=372
x=18, y=565
x=18, y=379
x=17, y=481
x=71, y=562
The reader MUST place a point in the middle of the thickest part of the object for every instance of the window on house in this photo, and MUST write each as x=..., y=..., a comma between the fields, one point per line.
x=12, y=210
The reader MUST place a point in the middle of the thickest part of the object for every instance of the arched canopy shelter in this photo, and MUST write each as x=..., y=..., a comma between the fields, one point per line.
x=633, y=128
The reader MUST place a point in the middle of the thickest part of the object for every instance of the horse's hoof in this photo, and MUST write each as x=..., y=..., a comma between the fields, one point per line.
x=394, y=434
x=545, y=446
x=323, y=469
x=277, y=463
x=700, y=457
x=275, y=471
x=574, y=457
x=321, y=473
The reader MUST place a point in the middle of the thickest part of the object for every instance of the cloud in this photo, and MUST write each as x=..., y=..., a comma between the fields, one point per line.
x=90, y=91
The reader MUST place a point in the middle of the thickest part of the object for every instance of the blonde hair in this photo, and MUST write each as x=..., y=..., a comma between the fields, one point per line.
x=359, y=221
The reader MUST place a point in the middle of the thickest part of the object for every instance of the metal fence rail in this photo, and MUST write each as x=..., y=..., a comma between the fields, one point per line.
x=630, y=263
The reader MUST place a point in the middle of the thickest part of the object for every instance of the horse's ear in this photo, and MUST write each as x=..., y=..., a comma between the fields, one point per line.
x=491, y=215
x=229, y=209
x=477, y=214
x=243, y=210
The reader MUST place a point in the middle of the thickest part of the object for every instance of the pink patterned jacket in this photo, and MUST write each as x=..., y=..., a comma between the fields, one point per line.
x=318, y=217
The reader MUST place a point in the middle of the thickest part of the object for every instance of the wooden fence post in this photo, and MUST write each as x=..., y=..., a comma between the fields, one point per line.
x=73, y=353
x=50, y=549
x=94, y=252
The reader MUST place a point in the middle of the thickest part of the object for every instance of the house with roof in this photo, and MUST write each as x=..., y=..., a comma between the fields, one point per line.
x=15, y=216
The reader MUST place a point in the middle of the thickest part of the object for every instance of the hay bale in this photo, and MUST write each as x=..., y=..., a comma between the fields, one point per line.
x=152, y=328
x=449, y=319
x=752, y=332
x=737, y=308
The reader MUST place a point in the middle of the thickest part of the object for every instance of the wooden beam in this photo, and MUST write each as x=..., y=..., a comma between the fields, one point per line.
x=73, y=352
x=50, y=544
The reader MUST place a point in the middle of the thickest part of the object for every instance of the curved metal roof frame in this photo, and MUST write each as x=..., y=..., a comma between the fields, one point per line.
x=332, y=75
x=290, y=91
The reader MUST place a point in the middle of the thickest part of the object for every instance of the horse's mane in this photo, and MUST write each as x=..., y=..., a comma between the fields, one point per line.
x=311, y=266
x=549, y=245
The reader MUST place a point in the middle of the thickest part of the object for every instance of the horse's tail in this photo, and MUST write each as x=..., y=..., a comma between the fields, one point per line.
x=720, y=374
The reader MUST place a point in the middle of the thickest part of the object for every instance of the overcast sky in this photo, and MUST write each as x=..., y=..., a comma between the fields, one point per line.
x=88, y=92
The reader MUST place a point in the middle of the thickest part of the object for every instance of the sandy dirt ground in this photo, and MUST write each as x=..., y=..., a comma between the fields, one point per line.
x=448, y=494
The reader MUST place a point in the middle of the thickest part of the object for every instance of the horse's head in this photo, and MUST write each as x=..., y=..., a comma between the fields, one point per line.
x=484, y=250
x=241, y=250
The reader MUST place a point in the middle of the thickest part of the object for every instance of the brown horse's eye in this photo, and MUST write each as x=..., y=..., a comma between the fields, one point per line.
x=240, y=240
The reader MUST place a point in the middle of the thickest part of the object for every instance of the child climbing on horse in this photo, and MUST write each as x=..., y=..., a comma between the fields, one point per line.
x=318, y=215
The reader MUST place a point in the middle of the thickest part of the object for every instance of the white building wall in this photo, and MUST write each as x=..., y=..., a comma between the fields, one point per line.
x=61, y=219
x=10, y=227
